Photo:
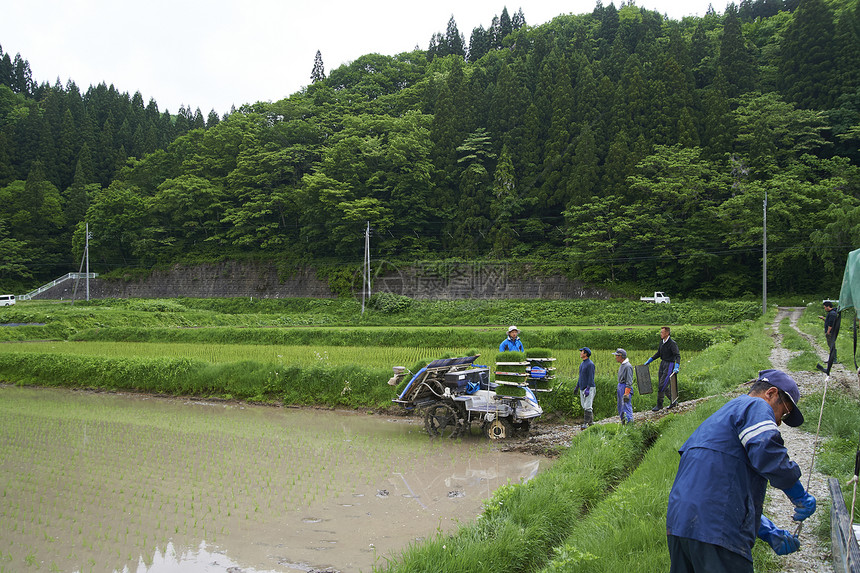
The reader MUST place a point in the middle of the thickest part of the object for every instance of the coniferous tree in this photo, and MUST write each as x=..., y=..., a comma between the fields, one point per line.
x=736, y=61
x=504, y=206
x=183, y=121
x=212, y=119
x=847, y=59
x=505, y=25
x=434, y=46
x=479, y=44
x=5, y=69
x=806, y=67
x=22, y=77
x=85, y=169
x=66, y=150
x=105, y=155
x=198, y=122
x=318, y=72
x=518, y=20
x=454, y=43
x=583, y=180
x=495, y=33
x=7, y=170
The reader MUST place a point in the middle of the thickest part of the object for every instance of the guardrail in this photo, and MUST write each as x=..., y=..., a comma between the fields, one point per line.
x=846, y=552
x=55, y=282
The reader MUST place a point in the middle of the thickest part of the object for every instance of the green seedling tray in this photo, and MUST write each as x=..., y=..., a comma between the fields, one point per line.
x=513, y=391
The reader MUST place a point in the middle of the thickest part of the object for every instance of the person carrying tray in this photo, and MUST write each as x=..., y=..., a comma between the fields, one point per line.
x=670, y=363
x=624, y=392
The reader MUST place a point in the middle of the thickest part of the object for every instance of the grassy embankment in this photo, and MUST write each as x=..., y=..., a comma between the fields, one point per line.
x=806, y=359
x=357, y=384
x=62, y=319
x=623, y=528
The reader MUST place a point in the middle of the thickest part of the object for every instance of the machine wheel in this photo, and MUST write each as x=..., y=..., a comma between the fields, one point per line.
x=441, y=420
x=499, y=429
x=522, y=427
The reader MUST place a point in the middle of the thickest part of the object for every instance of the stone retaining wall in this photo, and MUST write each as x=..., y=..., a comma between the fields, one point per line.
x=260, y=280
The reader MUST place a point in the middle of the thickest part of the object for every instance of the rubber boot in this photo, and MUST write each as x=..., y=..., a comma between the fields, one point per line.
x=589, y=419
x=659, y=405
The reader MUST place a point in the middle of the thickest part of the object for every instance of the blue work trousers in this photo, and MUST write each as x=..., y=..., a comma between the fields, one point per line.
x=625, y=409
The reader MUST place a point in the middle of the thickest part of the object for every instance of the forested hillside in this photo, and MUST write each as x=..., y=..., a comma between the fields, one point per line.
x=58, y=148
x=618, y=146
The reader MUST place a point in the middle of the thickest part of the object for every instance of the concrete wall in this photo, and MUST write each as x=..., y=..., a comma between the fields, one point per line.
x=260, y=280
x=228, y=279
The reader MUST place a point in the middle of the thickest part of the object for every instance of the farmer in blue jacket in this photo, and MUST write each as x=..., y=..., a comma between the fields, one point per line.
x=715, y=506
x=512, y=343
x=585, y=385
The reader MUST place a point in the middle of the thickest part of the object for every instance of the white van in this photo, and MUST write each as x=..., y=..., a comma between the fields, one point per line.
x=7, y=299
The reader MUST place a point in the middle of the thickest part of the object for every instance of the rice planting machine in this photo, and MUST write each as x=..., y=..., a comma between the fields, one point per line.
x=453, y=393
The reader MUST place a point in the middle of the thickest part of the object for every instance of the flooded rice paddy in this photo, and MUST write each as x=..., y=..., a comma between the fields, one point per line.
x=112, y=482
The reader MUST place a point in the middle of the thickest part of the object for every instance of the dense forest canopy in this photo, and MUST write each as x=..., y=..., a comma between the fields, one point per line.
x=619, y=146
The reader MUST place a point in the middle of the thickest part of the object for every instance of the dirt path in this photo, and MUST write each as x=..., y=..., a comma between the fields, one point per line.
x=813, y=556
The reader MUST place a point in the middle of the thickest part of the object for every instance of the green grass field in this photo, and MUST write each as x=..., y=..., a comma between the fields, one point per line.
x=567, y=361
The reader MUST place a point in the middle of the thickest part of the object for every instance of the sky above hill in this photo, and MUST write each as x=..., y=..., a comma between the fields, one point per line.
x=213, y=54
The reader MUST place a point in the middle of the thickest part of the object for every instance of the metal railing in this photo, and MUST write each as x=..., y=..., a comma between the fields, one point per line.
x=55, y=282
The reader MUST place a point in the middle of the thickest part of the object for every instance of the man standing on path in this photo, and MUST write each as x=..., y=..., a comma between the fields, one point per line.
x=829, y=334
x=585, y=386
x=512, y=343
x=715, y=505
x=624, y=392
x=670, y=363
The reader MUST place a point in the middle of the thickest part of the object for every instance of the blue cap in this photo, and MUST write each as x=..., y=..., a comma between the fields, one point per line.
x=787, y=384
x=585, y=349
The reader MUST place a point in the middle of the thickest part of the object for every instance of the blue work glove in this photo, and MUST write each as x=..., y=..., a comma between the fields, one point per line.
x=780, y=540
x=649, y=361
x=586, y=391
x=677, y=368
x=802, y=500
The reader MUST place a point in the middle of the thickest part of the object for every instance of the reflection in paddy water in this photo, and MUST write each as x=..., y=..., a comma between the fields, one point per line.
x=108, y=482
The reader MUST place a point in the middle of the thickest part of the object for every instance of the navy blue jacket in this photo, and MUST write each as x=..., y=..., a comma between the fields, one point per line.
x=586, y=375
x=725, y=467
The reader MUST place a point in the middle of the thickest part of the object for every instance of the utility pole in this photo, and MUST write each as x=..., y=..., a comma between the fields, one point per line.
x=764, y=258
x=87, y=255
x=365, y=272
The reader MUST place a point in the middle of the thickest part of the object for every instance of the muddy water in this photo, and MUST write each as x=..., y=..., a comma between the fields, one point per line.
x=109, y=482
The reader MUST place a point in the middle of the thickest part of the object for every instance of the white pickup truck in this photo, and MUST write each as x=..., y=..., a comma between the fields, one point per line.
x=658, y=297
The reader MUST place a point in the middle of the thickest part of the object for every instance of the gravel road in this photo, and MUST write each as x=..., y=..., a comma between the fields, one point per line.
x=813, y=556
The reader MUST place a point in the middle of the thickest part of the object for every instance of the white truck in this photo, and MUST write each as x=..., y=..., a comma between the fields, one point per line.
x=658, y=298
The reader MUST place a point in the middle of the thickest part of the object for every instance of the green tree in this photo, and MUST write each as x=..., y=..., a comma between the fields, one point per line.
x=473, y=223
x=116, y=217
x=736, y=59
x=806, y=64
x=772, y=133
x=16, y=260
x=505, y=206
x=318, y=73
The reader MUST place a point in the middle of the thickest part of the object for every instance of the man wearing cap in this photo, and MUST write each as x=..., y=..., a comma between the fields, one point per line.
x=715, y=506
x=585, y=386
x=830, y=330
x=512, y=343
x=670, y=363
x=624, y=392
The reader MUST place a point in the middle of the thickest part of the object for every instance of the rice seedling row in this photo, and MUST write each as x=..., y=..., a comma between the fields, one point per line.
x=97, y=482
